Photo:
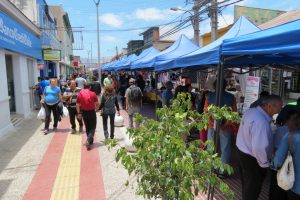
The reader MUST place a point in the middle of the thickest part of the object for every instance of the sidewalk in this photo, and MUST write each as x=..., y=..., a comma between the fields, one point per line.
x=58, y=166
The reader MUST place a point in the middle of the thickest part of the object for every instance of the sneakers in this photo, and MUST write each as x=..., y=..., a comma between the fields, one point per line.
x=73, y=131
x=88, y=145
x=46, y=131
x=54, y=129
x=80, y=129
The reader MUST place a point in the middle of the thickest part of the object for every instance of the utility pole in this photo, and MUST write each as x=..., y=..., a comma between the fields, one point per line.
x=214, y=19
x=88, y=58
x=92, y=53
x=117, y=53
x=97, y=2
x=196, y=21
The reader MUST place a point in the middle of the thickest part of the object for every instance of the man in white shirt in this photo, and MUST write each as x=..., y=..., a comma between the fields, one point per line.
x=80, y=81
x=255, y=145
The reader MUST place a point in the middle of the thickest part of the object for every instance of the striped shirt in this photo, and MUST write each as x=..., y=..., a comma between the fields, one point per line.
x=71, y=102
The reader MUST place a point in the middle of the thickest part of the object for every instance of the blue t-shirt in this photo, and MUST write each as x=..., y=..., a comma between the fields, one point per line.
x=43, y=84
x=167, y=95
x=52, y=95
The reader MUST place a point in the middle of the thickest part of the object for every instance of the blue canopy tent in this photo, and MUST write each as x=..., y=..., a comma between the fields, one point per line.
x=109, y=67
x=145, y=55
x=276, y=45
x=184, y=47
x=148, y=63
x=210, y=54
x=125, y=63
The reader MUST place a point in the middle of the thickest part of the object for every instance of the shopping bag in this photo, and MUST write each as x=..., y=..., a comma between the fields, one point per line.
x=65, y=112
x=41, y=114
x=286, y=175
x=119, y=121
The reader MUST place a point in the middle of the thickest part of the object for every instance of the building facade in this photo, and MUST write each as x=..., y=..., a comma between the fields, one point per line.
x=20, y=48
x=65, y=35
x=135, y=46
x=151, y=38
x=51, y=46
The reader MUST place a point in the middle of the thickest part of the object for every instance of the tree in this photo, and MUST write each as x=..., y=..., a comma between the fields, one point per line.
x=168, y=167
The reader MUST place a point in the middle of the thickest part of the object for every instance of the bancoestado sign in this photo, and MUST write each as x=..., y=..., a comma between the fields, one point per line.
x=16, y=38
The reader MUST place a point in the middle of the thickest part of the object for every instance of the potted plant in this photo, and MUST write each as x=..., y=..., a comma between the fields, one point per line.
x=166, y=166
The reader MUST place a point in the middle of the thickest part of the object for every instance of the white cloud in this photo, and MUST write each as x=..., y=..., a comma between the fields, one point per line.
x=153, y=14
x=109, y=38
x=111, y=20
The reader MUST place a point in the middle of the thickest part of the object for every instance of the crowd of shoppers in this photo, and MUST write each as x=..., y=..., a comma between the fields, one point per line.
x=260, y=147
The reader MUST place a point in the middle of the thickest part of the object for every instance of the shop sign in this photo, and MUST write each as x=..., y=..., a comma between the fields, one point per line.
x=15, y=37
x=251, y=91
x=50, y=54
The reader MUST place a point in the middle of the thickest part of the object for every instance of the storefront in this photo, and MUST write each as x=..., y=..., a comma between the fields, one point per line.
x=19, y=50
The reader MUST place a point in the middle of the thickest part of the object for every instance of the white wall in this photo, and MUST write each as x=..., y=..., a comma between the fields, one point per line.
x=5, y=123
x=28, y=8
x=21, y=85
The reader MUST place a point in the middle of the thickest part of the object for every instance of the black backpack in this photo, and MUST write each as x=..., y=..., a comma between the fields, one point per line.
x=135, y=94
x=96, y=87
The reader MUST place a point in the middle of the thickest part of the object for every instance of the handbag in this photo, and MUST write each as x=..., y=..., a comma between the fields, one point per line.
x=286, y=175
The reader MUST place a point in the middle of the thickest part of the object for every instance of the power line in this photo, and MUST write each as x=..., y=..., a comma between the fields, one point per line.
x=114, y=30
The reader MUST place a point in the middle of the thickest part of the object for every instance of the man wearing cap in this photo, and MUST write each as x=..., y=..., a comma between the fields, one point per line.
x=133, y=97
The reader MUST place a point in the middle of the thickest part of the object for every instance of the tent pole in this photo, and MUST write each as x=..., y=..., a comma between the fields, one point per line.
x=219, y=94
x=155, y=75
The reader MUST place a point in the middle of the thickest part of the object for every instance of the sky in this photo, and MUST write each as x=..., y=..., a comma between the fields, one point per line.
x=116, y=16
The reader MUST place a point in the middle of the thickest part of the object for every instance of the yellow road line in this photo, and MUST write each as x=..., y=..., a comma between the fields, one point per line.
x=66, y=186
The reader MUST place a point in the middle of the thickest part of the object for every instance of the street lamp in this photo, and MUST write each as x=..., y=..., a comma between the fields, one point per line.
x=194, y=18
x=97, y=2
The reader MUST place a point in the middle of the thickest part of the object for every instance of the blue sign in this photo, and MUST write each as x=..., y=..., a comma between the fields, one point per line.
x=15, y=37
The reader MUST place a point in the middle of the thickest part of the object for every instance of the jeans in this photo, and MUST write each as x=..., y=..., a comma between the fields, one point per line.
x=225, y=144
x=112, y=124
x=48, y=110
x=72, y=115
x=90, y=122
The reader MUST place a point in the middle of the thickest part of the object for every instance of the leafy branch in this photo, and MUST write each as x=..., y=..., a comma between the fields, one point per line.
x=168, y=167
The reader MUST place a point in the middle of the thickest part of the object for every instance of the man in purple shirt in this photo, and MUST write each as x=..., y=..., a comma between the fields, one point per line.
x=255, y=145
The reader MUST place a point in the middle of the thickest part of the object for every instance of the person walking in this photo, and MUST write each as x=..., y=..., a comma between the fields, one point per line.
x=292, y=137
x=52, y=97
x=96, y=86
x=109, y=103
x=70, y=96
x=108, y=80
x=133, y=97
x=87, y=105
x=255, y=145
x=80, y=81
x=122, y=89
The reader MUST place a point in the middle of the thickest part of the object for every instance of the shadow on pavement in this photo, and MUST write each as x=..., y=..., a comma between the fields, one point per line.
x=4, y=184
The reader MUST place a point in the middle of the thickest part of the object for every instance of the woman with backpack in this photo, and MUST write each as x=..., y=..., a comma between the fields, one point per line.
x=108, y=106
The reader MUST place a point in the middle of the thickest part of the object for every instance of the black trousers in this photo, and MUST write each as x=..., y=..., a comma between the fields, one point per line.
x=112, y=124
x=276, y=193
x=90, y=122
x=293, y=196
x=72, y=116
x=252, y=176
x=54, y=110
